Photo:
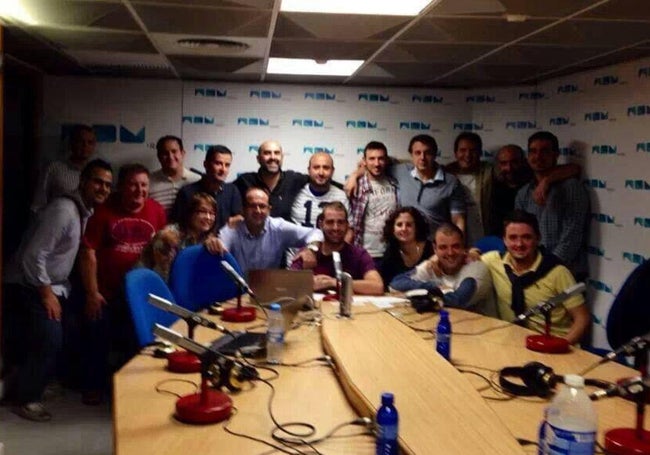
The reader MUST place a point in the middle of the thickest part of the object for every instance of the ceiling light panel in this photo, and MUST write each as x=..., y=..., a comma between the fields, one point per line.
x=311, y=67
x=377, y=7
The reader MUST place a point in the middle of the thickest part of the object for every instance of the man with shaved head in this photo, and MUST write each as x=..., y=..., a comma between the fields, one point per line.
x=282, y=186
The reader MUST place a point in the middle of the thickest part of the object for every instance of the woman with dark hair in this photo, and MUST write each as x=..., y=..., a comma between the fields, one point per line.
x=195, y=226
x=405, y=234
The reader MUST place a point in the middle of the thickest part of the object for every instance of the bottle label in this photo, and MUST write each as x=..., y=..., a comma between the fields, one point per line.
x=387, y=432
x=275, y=336
x=442, y=338
x=565, y=442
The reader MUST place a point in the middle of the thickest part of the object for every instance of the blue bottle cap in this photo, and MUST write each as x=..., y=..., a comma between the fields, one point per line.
x=387, y=398
x=275, y=307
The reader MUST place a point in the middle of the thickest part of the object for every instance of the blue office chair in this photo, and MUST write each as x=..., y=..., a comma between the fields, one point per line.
x=490, y=243
x=139, y=284
x=197, y=279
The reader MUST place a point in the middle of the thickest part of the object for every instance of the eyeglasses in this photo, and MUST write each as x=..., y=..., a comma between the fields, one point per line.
x=208, y=213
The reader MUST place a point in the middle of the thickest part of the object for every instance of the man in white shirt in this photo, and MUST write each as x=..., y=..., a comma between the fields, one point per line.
x=165, y=182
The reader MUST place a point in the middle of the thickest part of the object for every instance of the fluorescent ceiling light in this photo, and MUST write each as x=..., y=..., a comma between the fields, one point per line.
x=12, y=9
x=309, y=66
x=375, y=7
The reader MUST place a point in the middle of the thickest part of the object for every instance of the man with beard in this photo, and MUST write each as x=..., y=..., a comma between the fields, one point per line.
x=282, y=186
x=37, y=289
x=217, y=163
x=354, y=260
x=463, y=285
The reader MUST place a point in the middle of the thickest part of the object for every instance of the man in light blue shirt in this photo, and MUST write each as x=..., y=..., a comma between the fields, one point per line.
x=259, y=242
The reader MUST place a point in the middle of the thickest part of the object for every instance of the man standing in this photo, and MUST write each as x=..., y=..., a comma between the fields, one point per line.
x=464, y=285
x=282, y=186
x=373, y=201
x=354, y=260
x=424, y=185
x=563, y=219
x=259, y=242
x=112, y=243
x=526, y=276
x=165, y=183
x=61, y=177
x=38, y=288
x=217, y=163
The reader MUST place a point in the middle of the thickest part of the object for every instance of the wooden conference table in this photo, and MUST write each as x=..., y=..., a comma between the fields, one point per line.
x=441, y=409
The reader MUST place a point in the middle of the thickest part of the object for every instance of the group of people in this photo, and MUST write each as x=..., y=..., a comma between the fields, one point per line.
x=397, y=225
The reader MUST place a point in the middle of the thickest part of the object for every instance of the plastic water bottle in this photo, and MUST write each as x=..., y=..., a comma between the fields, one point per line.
x=275, y=335
x=570, y=421
x=443, y=335
x=387, y=420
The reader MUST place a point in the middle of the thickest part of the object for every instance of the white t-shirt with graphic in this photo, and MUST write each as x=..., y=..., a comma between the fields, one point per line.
x=381, y=203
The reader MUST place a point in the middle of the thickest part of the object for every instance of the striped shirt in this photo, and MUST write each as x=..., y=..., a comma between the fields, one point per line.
x=163, y=189
x=58, y=178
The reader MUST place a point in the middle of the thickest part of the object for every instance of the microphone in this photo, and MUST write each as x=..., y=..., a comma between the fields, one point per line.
x=185, y=314
x=551, y=303
x=626, y=388
x=631, y=347
x=338, y=265
x=236, y=278
x=179, y=340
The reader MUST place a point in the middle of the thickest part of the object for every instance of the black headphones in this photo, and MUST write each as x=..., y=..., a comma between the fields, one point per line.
x=538, y=380
x=231, y=374
x=425, y=301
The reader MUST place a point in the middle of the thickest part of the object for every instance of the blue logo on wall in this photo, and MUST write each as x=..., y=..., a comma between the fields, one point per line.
x=644, y=71
x=596, y=116
x=360, y=150
x=480, y=99
x=198, y=120
x=638, y=110
x=603, y=218
x=600, y=286
x=210, y=92
x=596, y=183
x=106, y=133
x=637, y=184
x=641, y=221
x=643, y=147
x=202, y=147
x=426, y=99
x=634, y=258
x=417, y=126
x=606, y=80
x=253, y=148
x=595, y=251
x=531, y=95
x=604, y=149
x=373, y=97
x=320, y=96
x=361, y=124
x=521, y=125
x=567, y=88
x=317, y=149
x=568, y=151
x=252, y=121
x=307, y=123
x=468, y=126
x=559, y=121
x=265, y=94
x=129, y=137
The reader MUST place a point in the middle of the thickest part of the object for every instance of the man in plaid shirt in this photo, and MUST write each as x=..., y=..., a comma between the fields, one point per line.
x=373, y=201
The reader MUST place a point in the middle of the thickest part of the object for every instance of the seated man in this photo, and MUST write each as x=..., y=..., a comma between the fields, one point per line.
x=527, y=275
x=354, y=260
x=259, y=242
x=466, y=286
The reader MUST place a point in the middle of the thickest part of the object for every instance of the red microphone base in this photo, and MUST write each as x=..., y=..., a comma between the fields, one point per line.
x=183, y=362
x=209, y=406
x=548, y=344
x=624, y=441
x=239, y=314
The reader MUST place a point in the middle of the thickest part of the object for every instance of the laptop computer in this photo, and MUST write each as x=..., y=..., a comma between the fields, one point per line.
x=270, y=285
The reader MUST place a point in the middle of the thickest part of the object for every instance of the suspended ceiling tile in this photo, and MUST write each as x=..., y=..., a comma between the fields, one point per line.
x=212, y=65
x=98, y=40
x=594, y=33
x=543, y=56
x=259, y=4
x=490, y=76
x=80, y=13
x=545, y=8
x=341, y=26
x=451, y=7
x=323, y=50
x=495, y=30
x=415, y=71
x=439, y=53
x=197, y=21
x=622, y=9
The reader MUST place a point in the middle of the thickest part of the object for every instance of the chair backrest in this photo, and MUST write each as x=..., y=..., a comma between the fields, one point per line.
x=197, y=279
x=139, y=284
x=490, y=243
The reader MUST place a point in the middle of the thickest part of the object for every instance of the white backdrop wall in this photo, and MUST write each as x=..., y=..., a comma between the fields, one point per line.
x=601, y=117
